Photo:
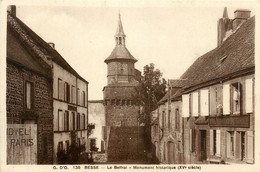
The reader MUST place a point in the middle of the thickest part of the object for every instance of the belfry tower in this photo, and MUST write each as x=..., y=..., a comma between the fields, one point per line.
x=124, y=140
x=122, y=77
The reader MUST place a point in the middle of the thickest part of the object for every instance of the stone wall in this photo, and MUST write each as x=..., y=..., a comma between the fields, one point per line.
x=125, y=143
x=122, y=115
x=41, y=111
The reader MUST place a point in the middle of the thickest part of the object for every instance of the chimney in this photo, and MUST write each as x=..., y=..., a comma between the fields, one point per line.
x=224, y=25
x=11, y=9
x=52, y=45
x=241, y=16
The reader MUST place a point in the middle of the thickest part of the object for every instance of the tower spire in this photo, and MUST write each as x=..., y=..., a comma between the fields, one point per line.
x=225, y=13
x=120, y=35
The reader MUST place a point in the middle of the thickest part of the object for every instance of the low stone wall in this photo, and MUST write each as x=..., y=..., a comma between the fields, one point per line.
x=99, y=157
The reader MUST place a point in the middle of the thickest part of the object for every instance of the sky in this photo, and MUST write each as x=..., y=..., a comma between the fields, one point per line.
x=170, y=37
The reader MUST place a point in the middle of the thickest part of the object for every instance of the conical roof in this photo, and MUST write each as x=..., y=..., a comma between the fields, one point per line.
x=120, y=52
x=120, y=30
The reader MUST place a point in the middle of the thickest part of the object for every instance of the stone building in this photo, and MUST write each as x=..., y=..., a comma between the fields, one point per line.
x=169, y=146
x=121, y=110
x=218, y=99
x=29, y=89
x=69, y=120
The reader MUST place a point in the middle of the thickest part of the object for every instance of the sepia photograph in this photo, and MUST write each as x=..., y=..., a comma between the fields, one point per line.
x=130, y=85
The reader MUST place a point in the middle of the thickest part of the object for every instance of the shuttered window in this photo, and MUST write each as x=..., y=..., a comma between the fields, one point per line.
x=185, y=105
x=195, y=104
x=249, y=95
x=66, y=121
x=204, y=102
x=226, y=99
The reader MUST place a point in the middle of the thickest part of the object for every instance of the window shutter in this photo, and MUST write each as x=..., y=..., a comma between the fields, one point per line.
x=226, y=99
x=195, y=104
x=204, y=102
x=250, y=146
x=185, y=105
x=218, y=133
x=211, y=142
x=249, y=95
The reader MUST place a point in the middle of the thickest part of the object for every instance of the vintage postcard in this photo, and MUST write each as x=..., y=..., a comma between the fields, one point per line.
x=140, y=86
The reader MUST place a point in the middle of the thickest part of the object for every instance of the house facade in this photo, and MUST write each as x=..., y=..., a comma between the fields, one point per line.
x=70, y=111
x=68, y=124
x=218, y=99
x=28, y=98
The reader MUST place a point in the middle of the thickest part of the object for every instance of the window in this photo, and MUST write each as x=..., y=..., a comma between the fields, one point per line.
x=67, y=92
x=60, y=121
x=226, y=99
x=192, y=140
x=243, y=145
x=60, y=89
x=177, y=120
x=84, y=121
x=169, y=119
x=204, y=102
x=163, y=119
x=83, y=98
x=66, y=121
x=235, y=101
x=78, y=121
x=230, y=143
x=28, y=95
x=74, y=121
x=60, y=146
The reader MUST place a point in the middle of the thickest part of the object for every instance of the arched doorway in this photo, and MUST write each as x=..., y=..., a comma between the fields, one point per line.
x=171, y=154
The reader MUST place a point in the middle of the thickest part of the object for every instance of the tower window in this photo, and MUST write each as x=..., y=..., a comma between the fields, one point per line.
x=120, y=41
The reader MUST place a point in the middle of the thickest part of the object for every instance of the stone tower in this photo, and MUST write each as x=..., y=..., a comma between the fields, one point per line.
x=124, y=136
x=121, y=109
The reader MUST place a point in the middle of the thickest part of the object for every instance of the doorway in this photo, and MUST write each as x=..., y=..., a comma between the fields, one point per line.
x=203, y=145
x=171, y=154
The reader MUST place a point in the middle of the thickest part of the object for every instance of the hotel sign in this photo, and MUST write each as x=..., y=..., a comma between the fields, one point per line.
x=21, y=143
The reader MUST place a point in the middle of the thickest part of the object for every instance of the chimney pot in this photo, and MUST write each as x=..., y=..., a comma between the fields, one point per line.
x=11, y=9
